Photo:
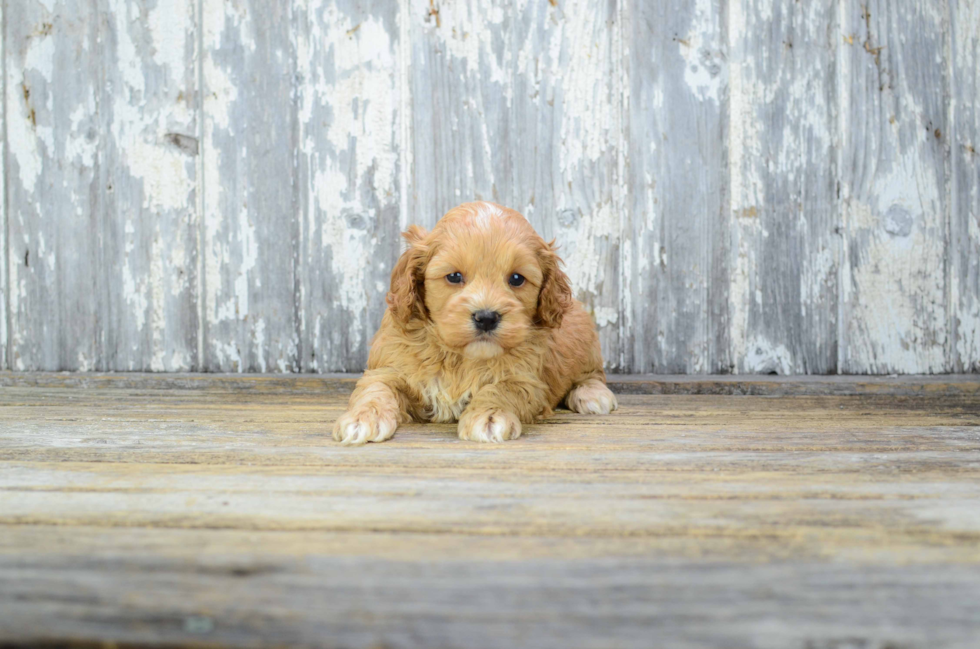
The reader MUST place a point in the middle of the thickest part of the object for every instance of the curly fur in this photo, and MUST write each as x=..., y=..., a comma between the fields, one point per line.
x=429, y=363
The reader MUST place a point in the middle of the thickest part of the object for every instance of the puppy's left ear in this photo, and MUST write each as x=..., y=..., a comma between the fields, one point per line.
x=406, y=299
x=555, y=297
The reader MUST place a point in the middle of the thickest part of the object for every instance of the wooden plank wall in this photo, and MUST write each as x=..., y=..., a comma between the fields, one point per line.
x=747, y=186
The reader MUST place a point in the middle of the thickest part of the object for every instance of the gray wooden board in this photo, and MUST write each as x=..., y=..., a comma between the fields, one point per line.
x=964, y=143
x=4, y=249
x=782, y=83
x=148, y=117
x=54, y=140
x=343, y=602
x=676, y=309
x=897, y=386
x=893, y=187
x=105, y=227
x=250, y=191
x=349, y=107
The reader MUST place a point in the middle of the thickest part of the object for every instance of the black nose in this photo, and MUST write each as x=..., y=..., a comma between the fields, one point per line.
x=486, y=320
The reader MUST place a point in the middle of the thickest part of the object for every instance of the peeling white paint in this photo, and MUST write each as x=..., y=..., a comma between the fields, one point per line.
x=704, y=61
x=168, y=21
x=763, y=357
x=25, y=129
x=895, y=291
x=356, y=151
x=605, y=316
x=467, y=31
x=168, y=178
x=4, y=216
x=353, y=169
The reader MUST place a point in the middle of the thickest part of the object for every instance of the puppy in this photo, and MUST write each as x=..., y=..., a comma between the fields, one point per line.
x=481, y=329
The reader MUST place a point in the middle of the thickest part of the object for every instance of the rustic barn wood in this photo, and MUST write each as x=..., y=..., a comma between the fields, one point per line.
x=54, y=185
x=964, y=208
x=4, y=248
x=745, y=186
x=783, y=187
x=893, y=187
x=350, y=167
x=676, y=254
x=148, y=116
x=183, y=509
x=250, y=316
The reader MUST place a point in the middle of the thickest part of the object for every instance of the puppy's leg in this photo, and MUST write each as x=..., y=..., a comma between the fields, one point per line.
x=591, y=397
x=496, y=412
x=373, y=413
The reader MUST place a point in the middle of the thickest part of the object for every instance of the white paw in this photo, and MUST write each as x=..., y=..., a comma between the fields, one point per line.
x=354, y=428
x=592, y=398
x=489, y=426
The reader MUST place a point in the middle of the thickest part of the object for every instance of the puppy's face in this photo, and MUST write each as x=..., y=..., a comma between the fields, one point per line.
x=483, y=277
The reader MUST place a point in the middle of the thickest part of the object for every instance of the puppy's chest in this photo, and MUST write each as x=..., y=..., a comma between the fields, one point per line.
x=444, y=402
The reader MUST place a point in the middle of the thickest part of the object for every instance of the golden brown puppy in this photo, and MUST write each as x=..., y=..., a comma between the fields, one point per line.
x=481, y=328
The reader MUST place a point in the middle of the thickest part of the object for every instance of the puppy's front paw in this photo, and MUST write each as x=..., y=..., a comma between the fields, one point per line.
x=489, y=426
x=592, y=398
x=365, y=424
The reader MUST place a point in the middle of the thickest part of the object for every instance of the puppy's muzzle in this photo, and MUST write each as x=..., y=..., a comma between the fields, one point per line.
x=486, y=321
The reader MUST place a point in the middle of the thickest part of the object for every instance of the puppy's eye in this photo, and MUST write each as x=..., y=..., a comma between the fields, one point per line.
x=516, y=280
x=455, y=278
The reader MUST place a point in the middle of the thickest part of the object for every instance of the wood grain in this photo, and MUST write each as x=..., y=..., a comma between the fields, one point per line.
x=349, y=176
x=964, y=144
x=106, y=224
x=676, y=307
x=4, y=249
x=250, y=192
x=939, y=386
x=148, y=114
x=179, y=509
x=783, y=187
x=235, y=601
x=56, y=218
x=893, y=179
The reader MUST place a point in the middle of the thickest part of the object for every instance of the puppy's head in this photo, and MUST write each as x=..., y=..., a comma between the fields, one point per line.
x=483, y=277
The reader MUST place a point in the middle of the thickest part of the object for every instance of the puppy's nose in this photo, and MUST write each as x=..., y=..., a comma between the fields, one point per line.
x=486, y=321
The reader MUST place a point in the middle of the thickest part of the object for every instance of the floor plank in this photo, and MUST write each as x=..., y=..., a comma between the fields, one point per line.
x=755, y=512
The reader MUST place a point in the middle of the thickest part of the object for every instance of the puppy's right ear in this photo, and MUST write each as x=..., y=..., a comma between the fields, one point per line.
x=406, y=299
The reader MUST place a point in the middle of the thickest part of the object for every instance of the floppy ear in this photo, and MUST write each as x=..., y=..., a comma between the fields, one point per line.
x=406, y=298
x=555, y=297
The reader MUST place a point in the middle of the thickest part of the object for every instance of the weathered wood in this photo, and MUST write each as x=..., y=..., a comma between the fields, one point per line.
x=569, y=91
x=4, y=249
x=324, y=601
x=676, y=306
x=522, y=103
x=895, y=386
x=892, y=183
x=349, y=176
x=148, y=112
x=217, y=510
x=964, y=142
x=461, y=76
x=693, y=160
x=783, y=187
x=56, y=218
x=105, y=228
x=250, y=215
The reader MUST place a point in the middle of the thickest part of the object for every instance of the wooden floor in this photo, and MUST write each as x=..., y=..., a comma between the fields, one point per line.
x=825, y=513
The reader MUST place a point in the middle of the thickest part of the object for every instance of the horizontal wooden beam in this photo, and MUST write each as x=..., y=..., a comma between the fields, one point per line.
x=945, y=385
